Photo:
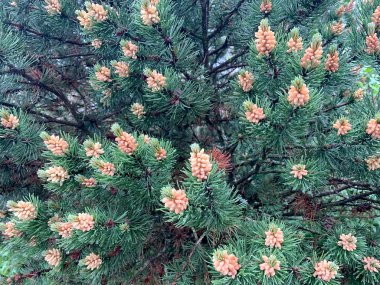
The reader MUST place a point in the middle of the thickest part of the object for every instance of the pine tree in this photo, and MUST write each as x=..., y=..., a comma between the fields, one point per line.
x=190, y=142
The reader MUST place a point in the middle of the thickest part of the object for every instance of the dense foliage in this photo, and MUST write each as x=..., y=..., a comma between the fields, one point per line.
x=190, y=142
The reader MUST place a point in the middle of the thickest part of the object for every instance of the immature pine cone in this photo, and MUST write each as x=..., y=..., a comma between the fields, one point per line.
x=226, y=264
x=295, y=42
x=298, y=93
x=270, y=265
x=265, y=39
x=313, y=54
x=53, y=7
x=92, y=261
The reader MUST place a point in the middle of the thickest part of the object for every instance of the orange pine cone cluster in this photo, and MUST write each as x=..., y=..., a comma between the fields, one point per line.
x=266, y=6
x=93, y=149
x=156, y=81
x=295, y=42
x=55, y=144
x=92, y=261
x=371, y=264
x=53, y=257
x=10, y=231
x=97, y=11
x=126, y=143
x=376, y=17
x=372, y=41
x=265, y=38
x=246, y=81
x=200, y=163
x=22, y=210
x=373, y=163
x=84, y=19
x=107, y=168
x=373, y=128
x=325, y=270
x=129, y=49
x=337, y=28
x=359, y=94
x=160, y=153
x=9, y=121
x=149, y=14
x=298, y=93
x=64, y=229
x=347, y=242
x=138, y=110
x=53, y=7
x=103, y=74
x=343, y=126
x=121, y=68
x=274, y=237
x=83, y=222
x=174, y=200
x=299, y=171
x=270, y=265
x=313, y=54
x=55, y=174
x=332, y=60
x=253, y=113
x=226, y=264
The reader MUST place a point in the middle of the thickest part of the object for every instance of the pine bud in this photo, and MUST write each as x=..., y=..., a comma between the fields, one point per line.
x=149, y=14
x=125, y=141
x=246, y=80
x=373, y=127
x=371, y=264
x=55, y=144
x=337, y=27
x=156, y=81
x=266, y=6
x=9, y=121
x=200, y=163
x=265, y=38
x=96, y=11
x=343, y=126
x=53, y=257
x=103, y=73
x=226, y=264
x=295, y=42
x=53, y=7
x=372, y=41
x=373, y=162
x=83, y=222
x=313, y=54
x=138, y=110
x=325, y=270
x=298, y=93
x=332, y=60
x=107, y=168
x=54, y=174
x=253, y=113
x=22, y=210
x=376, y=17
x=270, y=265
x=93, y=149
x=299, y=171
x=91, y=261
x=175, y=200
x=121, y=68
x=129, y=49
x=274, y=237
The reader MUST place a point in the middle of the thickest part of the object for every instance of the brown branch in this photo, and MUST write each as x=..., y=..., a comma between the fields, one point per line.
x=225, y=21
x=179, y=274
